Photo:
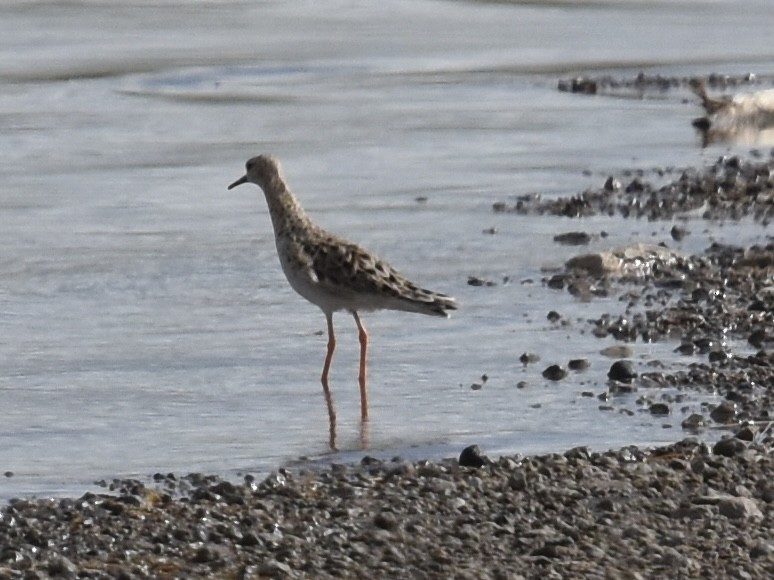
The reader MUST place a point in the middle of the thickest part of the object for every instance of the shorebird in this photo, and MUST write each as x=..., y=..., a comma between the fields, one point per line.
x=333, y=273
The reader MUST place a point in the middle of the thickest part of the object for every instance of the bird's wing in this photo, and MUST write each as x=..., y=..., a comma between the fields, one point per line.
x=342, y=267
x=345, y=269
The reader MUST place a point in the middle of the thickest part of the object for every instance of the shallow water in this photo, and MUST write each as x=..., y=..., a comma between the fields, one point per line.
x=146, y=323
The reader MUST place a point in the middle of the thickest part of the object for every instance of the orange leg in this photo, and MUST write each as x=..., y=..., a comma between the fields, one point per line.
x=324, y=381
x=363, y=335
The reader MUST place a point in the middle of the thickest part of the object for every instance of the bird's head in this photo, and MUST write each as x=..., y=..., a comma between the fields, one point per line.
x=262, y=170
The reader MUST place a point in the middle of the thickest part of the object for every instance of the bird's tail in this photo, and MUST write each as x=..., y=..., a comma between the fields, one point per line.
x=427, y=302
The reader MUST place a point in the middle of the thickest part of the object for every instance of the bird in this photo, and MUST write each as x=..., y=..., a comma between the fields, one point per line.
x=333, y=273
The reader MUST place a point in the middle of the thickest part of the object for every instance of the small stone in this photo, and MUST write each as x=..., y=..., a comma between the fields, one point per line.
x=556, y=282
x=617, y=351
x=573, y=239
x=612, y=184
x=735, y=508
x=725, y=412
x=746, y=433
x=678, y=233
x=554, y=373
x=471, y=457
x=476, y=281
x=718, y=356
x=659, y=409
x=578, y=364
x=528, y=358
x=274, y=569
x=622, y=370
x=729, y=447
x=553, y=316
x=61, y=566
x=762, y=550
x=757, y=337
x=386, y=521
x=693, y=423
x=208, y=553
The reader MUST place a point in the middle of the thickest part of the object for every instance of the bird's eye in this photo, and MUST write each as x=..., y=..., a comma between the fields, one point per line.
x=250, y=165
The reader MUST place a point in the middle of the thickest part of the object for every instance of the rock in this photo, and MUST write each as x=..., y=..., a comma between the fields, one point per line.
x=729, y=447
x=612, y=184
x=271, y=568
x=385, y=520
x=554, y=373
x=746, y=433
x=622, y=371
x=528, y=358
x=573, y=239
x=659, y=409
x=693, y=422
x=762, y=550
x=724, y=413
x=636, y=260
x=476, y=281
x=617, y=351
x=678, y=233
x=595, y=264
x=60, y=566
x=578, y=364
x=209, y=553
x=739, y=508
x=471, y=457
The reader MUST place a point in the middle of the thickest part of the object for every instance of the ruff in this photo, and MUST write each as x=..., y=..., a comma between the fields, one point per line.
x=333, y=273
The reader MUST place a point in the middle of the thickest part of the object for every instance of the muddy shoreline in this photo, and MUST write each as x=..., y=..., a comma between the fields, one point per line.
x=684, y=510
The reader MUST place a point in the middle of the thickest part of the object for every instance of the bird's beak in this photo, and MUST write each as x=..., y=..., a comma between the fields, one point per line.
x=239, y=181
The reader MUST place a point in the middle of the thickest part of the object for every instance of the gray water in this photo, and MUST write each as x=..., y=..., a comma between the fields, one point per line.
x=146, y=325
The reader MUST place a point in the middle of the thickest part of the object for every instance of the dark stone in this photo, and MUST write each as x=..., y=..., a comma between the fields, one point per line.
x=471, y=457
x=476, y=281
x=557, y=281
x=746, y=433
x=61, y=566
x=553, y=316
x=659, y=409
x=528, y=357
x=678, y=233
x=554, y=373
x=729, y=447
x=385, y=521
x=718, y=356
x=757, y=337
x=622, y=370
x=578, y=364
x=573, y=239
x=612, y=184
x=693, y=422
x=725, y=412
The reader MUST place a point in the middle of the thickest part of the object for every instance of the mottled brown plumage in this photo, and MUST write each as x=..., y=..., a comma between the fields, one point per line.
x=333, y=273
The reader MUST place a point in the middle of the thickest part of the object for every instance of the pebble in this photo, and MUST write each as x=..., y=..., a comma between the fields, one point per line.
x=554, y=373
x=729, y=447
x=471, y=457
x=583, y=513
x=622, y=370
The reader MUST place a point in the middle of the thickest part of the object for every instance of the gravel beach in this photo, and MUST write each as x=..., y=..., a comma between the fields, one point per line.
x=683, y=511
x=688, y=510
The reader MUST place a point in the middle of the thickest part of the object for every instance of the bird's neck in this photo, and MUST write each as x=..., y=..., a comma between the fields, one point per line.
x=285, y=210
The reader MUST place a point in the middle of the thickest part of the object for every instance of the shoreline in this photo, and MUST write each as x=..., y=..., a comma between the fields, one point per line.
x=682, y=510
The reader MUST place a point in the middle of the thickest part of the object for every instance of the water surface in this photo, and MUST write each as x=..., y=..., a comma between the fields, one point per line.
x=146, y=323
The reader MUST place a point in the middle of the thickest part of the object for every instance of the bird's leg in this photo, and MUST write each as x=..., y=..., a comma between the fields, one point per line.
x=363, y=335
x=324, y=381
